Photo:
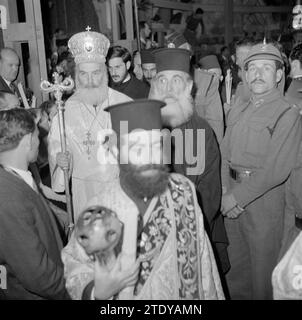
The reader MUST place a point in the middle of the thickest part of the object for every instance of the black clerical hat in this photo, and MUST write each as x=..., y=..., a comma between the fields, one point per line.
x=140, y=114
x=147, y=56
x=172, y=59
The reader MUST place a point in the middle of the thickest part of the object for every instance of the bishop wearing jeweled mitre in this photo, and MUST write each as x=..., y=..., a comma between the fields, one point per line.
x=84, y=119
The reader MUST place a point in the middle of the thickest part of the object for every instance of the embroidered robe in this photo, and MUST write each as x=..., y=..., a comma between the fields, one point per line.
x=178, y=262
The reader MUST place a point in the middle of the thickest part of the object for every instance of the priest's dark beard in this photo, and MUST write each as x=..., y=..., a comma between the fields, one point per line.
x=117, y=84
x=145, y=186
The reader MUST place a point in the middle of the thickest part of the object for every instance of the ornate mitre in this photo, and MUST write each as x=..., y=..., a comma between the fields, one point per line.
x=89, y=46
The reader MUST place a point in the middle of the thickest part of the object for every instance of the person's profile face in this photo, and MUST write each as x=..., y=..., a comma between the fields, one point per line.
x=9, y=66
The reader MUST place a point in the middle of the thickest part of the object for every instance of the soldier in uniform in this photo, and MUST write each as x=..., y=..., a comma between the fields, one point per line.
x=258, y=152
x=242, y=90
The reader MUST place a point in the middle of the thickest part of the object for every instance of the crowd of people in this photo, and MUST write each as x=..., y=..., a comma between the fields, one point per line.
x=177, y=192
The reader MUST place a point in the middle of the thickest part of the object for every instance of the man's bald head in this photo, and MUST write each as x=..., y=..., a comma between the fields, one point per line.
x=9, y=64
x=5, y=52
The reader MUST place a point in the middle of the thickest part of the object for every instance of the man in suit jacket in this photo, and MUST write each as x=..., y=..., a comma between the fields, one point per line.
x=9, y=69
x=8, y=100
x=30, y=243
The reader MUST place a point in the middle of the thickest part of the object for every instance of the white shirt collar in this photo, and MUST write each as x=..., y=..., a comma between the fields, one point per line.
x=25, y=175
x=7, y=82
x=298, y=76
x=127, y=78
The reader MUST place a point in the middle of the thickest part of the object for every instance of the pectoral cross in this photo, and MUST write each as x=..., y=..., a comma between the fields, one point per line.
x=88, y=143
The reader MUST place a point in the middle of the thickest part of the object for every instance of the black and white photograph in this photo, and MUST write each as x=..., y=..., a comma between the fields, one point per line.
x=150, y=156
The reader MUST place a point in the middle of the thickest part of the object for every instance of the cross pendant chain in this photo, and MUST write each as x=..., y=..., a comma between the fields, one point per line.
x=88, y=143
x=86, y=120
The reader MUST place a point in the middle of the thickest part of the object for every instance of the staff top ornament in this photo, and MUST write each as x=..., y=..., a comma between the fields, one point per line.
x=57, y=87
x=89, y=46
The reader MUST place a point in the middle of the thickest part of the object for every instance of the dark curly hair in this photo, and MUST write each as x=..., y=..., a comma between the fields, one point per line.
x=14, y=125
x=118, y=52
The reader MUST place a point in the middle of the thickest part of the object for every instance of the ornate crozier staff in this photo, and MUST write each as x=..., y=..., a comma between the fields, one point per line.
x=58, y=88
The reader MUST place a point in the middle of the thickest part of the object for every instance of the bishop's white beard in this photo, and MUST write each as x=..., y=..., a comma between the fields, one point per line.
x=179, y=103
x=93, y=95
x=177, y=111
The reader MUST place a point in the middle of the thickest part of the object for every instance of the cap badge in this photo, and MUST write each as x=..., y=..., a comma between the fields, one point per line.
x=171, y=45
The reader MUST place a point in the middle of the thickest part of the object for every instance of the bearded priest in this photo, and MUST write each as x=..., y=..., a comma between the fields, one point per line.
x=84, y=117
x=167, y=234
x=198, y=158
